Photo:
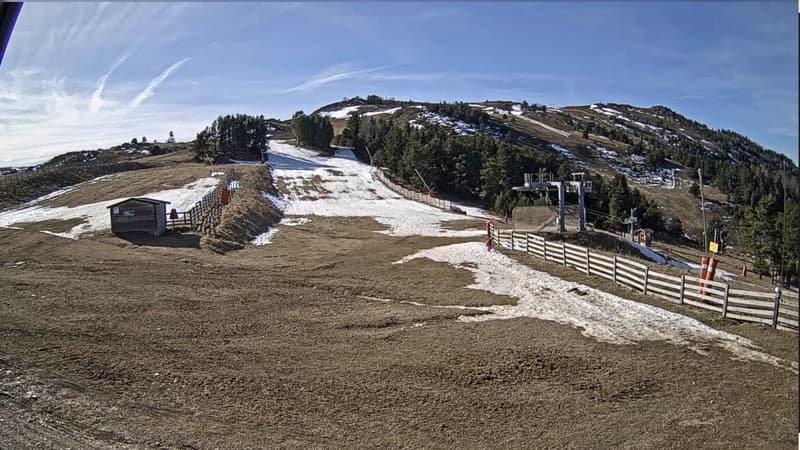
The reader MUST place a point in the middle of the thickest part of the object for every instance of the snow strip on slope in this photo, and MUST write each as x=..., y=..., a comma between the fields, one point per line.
x=600, y=315
x=388, y=111
x=340, y=113
x=266, y=237
x=345, y=187
x=69, y=189
x=96, y=214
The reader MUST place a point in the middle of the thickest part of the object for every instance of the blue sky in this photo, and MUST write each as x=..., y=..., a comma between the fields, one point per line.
x=87, y=75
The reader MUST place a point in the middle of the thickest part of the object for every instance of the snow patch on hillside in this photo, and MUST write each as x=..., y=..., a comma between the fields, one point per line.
x=565, y=152
x=340, y=113
x=342, y=186
x=96, y=215
x=601, y=316
x=388, y=111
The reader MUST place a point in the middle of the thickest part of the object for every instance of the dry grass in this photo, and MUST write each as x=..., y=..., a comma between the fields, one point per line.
x=133, y=184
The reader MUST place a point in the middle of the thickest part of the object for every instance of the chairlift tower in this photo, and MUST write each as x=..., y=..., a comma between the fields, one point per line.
x=578, y=184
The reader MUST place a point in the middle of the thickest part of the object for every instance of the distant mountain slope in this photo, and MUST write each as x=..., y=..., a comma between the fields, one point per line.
x=655, y=148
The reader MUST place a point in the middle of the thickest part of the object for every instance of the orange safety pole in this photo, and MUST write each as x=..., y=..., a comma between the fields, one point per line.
x=703, y=273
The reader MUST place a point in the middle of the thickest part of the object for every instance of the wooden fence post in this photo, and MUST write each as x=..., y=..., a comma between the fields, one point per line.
x=614, y=268
x=564, y=252
x=512, y=239
x=725, y=301
x=544, y=242
x=528, y=243
x=683, y=283
x=646, y=275
x=588, y=269
x=777, y=307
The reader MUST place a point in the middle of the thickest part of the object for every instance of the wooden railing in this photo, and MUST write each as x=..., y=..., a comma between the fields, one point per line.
x=413, y=195
x=207, y=213
x=777, y=309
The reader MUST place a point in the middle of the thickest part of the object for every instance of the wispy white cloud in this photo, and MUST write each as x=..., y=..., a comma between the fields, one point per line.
x=96, y=102
x=333, y=74
x=154, y=83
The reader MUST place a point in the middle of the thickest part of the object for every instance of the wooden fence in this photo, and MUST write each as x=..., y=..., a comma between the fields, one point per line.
x=413, y=195
x=777, y=309
x=207, y=213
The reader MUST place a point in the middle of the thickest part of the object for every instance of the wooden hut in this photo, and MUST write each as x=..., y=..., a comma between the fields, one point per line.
x=139, y=214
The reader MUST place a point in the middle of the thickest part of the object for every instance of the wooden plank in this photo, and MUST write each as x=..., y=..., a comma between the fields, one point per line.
x=749, y=318
x=628, y=271
x=665, y=277
x=601, y=257
x=629, y=281
x=575, y=259
x=600, y=269
x=576, y=248
x=534, y=237
x=756, y=294
x=581, y=269
x=751, y=311
x=674, y=295
x=704, y=306
x=666, y=284
x=604, y=275
x=594, y=262
x=709, y=291
x=783, y=328
x=574, y=252
x=786, y=321
x=631, y=263
x=706, y=282
x=788, y=312
x=749, y=302
x=697, y=295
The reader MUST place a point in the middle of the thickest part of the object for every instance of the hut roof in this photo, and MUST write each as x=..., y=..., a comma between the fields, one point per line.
x=140, y=199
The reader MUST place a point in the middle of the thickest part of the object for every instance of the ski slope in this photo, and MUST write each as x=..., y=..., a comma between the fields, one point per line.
x=342, y=186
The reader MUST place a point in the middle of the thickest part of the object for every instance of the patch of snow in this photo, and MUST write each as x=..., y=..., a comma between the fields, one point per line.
x=294, y=221
x=388, y=111
x=457, y=126
x=351, y=191
x=276, y=200
x=599, y=315
x=217, y=174
x=265, y=238
x=61, y=235
x=545, y=126
x=567, y=154
x=96, y=215
x=70, y=189
x=340, y=113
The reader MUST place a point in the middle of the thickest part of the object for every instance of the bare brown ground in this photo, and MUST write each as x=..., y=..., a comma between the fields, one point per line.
x=133, y=184
x=106, y=343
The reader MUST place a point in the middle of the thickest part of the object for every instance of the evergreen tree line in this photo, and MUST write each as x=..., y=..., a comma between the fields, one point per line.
x=239, y=136
x=314, y=131
x=770, y=234
x=478, y=167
